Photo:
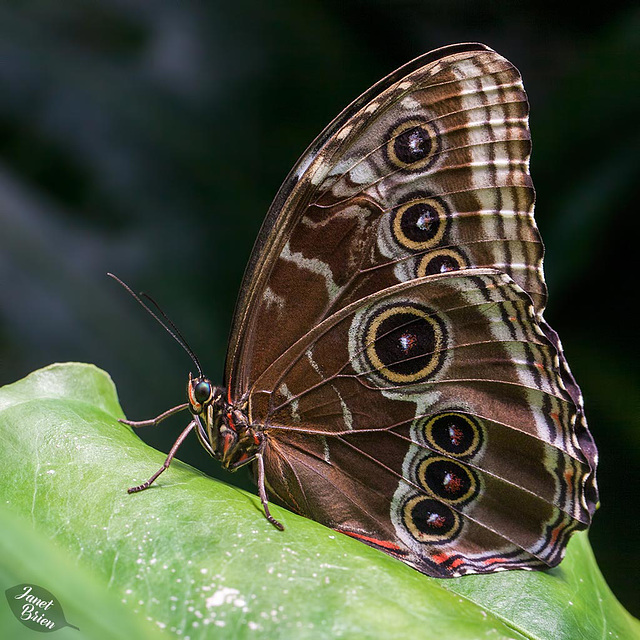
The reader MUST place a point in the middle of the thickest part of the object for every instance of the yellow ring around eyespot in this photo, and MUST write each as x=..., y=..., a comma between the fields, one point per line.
x=428, y=434
x=399, y=130
x=421, y=536
x=426, y=259
x=422, y=471
x=381, y=368
x=412, y=244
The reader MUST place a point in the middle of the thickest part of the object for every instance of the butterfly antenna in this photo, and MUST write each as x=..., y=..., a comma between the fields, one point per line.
x=167, y=325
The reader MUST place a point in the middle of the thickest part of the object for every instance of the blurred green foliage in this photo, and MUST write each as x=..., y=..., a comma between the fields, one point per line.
x=148, y=139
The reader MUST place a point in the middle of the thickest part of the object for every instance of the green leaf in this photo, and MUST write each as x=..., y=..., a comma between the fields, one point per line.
x=29, y=556
x=196, y=556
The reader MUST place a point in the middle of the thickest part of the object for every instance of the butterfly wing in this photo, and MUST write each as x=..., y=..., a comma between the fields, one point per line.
x=427, y=171
x=420, y=191
x=430, y=420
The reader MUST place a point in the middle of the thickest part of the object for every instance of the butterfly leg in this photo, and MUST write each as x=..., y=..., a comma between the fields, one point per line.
x=158, y=419
x=261, y=490
x=263, y=494
x=167, y=462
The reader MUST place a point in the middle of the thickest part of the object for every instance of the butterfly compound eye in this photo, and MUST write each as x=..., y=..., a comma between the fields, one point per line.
x=202, y=391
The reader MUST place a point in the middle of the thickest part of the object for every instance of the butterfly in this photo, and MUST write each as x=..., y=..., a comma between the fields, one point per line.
x=389, y=371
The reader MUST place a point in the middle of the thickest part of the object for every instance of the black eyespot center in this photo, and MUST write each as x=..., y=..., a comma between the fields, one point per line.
x=448, y=480
x=430, y=521
x=405, y=343
x=455, y=434
x=440, y=264
x=420, y=222
x=412, y=144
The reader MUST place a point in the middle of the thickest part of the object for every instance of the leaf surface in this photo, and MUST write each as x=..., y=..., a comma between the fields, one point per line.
x=196, y=556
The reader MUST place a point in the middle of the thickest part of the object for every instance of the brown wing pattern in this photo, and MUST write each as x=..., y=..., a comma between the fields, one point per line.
x=389, y=334
x=439, y=404
x=428, y=174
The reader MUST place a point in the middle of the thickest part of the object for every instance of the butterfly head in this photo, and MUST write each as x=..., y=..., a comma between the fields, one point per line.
x=222, y=428
x=201, y=394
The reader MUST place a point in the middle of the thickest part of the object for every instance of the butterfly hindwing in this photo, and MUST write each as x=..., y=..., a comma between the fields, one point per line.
x=441, y=393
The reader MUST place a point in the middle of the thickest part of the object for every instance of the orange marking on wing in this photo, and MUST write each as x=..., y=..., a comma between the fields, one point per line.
x=495, y=560
x=439, y=558
x=555, y=533
x=380, y=543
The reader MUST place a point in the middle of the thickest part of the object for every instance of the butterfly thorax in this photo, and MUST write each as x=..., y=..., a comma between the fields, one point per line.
x=222, y=428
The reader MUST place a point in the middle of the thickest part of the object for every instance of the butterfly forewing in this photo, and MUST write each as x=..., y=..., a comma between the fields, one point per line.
x=389, y=339
x=362, y=216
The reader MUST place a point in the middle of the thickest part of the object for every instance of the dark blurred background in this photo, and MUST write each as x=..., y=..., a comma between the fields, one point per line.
x=148, y=139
